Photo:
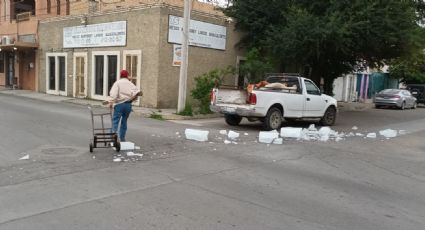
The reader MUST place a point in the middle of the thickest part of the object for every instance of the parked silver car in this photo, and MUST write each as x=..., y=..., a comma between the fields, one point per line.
x=399, y=98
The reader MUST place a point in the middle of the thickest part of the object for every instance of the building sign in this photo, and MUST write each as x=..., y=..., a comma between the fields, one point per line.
x=201, y=34
x=97, y=35
x=177, y=55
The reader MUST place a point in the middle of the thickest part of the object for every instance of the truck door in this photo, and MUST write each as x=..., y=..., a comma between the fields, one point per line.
x=314, y=103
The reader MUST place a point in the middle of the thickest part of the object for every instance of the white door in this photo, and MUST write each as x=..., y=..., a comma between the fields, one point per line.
x=105, y=73
x=56, y=69
x=133, y=64
x=80, y=75
x=314, y=103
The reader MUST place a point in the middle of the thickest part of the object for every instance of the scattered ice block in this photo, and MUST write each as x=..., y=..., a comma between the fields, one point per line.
x=325, y=131
x=117, y=160
x=246, y=134
x=268, y=136
x=196, y=134
x=312, y=127
x=388, y=133
x=359, y=134
x=324, y=138
x=227, y=142
x=354, y=128
x=232, y=135
x=127, y=145
x=371, y=135
x=290, y=132
x=26, y=157
x=223, y=132
x=278, y=141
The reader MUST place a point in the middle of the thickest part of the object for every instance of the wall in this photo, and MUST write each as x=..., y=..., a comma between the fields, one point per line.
x=142, y=34
x=147, y=30
x=201, y=60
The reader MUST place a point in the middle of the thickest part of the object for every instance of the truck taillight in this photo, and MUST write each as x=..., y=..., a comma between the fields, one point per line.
x=252, y=99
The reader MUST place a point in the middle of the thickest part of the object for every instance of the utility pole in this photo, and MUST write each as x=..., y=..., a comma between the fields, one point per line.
x=181, y=103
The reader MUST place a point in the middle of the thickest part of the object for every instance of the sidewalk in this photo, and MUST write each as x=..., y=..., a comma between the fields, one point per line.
x=166, y=114
x=354, y=106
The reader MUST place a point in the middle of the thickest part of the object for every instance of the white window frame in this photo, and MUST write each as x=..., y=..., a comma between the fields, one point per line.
x=105, y=68
x=138, y=53
x=83, y=55
x=57, y=91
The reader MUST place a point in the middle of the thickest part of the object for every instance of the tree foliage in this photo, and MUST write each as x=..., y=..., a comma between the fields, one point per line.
x=255, y=66
x=330, y=37
x=204, y=83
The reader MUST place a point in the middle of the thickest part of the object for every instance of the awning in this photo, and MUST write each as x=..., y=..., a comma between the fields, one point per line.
x=19, y=46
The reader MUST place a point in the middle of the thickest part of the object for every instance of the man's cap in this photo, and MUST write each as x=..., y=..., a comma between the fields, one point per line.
x=124, y=73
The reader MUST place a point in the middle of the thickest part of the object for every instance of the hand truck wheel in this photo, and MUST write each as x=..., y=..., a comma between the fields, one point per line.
x=91, y=147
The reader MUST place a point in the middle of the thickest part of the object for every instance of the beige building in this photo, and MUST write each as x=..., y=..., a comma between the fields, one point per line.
x=81, y=54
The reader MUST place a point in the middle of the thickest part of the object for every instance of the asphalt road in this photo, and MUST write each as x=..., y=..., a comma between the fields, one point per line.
x=355, y=183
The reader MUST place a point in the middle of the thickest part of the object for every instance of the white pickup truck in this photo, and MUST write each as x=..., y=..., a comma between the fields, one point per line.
x=285, y=96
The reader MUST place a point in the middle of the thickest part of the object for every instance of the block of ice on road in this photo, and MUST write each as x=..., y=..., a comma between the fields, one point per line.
x=131, y=154
x=227, y=142
x=388, y=133
x=359, y=134
x=223, y=132
x=196, y=134
x=325, y=131
x=268, y=137
x=26, y=157
x=289, y=132
x=312, y=127
x=232, y=135
x=371, y=135
x=117, y=160
x=278, y=141
x=127, y=145
x=324, y=138
x=355, y=128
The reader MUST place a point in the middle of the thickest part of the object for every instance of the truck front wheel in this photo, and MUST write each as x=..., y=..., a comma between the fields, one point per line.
x=329, y=117
x=232, y=119
x=273, y=119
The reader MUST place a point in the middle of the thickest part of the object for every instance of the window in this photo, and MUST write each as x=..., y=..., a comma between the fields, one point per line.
x=58, y=7
x=49, y=5
x=67, y=7
x=133, y=63
x=311, y=88
x=1, y=63
x=56, y=73
x=23, y=6
x=80, y=83
x=131, y=67
x=105, y=72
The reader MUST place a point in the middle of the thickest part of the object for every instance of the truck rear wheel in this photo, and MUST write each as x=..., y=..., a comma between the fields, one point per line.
x=273, y=119
x=329, y=117
x=232, y=119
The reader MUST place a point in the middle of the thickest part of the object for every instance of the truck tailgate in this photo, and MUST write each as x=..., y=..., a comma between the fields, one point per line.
x=230, y=96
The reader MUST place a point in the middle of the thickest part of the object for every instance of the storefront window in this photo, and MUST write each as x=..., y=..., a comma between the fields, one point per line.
x=56, y=73
x=99, y=74
x=52, y=73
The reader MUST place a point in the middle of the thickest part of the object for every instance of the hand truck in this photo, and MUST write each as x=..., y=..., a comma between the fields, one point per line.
x=103, y=134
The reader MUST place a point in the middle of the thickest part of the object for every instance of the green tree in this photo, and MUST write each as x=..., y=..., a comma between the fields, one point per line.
x=327, y=38
x=255, y=66
x=410, y=70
